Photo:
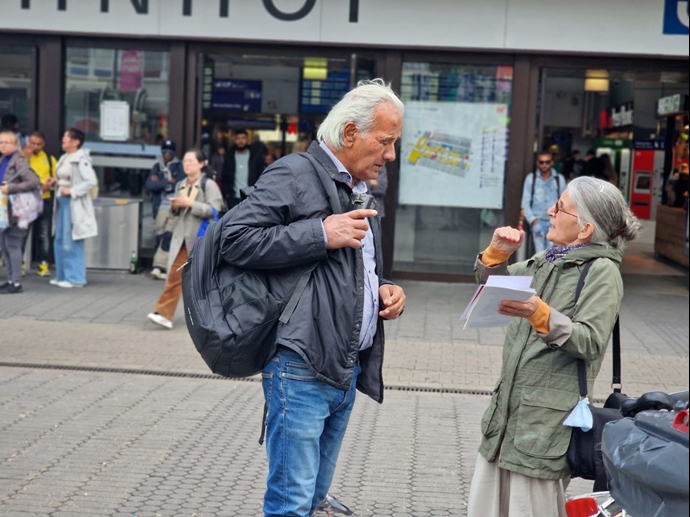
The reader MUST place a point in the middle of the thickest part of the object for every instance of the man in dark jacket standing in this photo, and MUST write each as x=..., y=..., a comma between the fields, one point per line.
x=164, y=176
x=333, y=343
x=242, y=167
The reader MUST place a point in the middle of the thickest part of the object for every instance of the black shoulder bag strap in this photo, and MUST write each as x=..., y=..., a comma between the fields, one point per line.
x=534, y=182
x=332, y=195
x=581, y=365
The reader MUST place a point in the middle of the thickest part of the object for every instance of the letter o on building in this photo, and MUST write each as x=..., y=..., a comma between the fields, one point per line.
x=289, y=17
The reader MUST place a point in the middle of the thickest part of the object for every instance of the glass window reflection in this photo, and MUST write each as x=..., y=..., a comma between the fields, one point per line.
x=451, y=177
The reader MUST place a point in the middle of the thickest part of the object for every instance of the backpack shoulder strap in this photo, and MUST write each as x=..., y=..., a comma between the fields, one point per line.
x=534, y=182
x=327, y=183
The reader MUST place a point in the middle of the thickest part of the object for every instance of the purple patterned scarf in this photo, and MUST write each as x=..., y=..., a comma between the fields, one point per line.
x=558, y=252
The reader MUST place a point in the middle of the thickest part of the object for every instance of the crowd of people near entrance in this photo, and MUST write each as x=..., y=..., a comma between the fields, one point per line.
x=60, y=194
x=333, y=343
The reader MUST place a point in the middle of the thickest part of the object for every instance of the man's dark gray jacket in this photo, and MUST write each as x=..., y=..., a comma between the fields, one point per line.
x=278, y=229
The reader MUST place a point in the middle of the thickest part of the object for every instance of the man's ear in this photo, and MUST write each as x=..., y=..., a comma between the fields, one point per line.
x=350, y=134
x=586, y=232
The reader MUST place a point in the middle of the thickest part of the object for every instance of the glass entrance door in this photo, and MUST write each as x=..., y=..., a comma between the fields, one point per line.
x=279, y=100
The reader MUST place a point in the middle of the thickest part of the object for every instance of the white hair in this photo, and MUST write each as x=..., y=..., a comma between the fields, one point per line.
x=602, y=205
x=359, y=107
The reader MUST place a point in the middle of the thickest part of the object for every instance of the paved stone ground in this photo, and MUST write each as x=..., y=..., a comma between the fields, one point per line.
x=83, y=443
x=105, y=324
x=117, y=444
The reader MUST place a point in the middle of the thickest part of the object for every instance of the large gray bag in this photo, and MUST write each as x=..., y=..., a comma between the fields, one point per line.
x=647, y=462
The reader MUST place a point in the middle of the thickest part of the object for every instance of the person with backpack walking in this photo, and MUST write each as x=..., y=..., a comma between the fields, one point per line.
x=74, y=219
x=196, y=197
x=541, y=190
x=332, y=344
x=522, y=468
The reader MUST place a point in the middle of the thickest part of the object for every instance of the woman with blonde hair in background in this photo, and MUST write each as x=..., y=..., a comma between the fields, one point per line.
x=15, y=176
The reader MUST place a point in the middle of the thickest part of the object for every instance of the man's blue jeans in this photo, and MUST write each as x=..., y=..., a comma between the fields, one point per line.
x=305, y=426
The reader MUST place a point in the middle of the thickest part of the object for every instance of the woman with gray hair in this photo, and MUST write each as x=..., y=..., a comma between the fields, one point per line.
x=522, y=469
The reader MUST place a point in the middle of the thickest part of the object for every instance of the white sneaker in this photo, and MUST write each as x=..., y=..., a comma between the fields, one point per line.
x=67, y=285
x=156, y=318
x=158, y=274
x=54, y=281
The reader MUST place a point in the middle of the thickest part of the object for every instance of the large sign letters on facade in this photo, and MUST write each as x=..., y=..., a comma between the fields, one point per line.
x=676, y=17
x=142, y=7
x=652, y=28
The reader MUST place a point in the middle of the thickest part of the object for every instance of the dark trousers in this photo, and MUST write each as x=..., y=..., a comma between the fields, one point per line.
x=11, y=244
x=42, y=227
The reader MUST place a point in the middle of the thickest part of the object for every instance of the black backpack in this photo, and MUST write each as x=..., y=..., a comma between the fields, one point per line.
x=232, y=317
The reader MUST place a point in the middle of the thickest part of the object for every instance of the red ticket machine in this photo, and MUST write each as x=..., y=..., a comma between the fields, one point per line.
x=648, y=163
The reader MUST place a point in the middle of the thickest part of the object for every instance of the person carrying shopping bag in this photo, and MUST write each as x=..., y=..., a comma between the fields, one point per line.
x=15, y=176
x=195, y=200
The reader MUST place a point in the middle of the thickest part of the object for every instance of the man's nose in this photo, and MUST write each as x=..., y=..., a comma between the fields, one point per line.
x=389, y=154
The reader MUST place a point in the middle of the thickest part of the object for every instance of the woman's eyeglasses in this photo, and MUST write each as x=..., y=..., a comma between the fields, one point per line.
x=557, y=208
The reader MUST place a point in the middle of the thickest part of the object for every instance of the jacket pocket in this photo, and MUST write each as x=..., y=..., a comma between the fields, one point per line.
x=540, y=431
x=489, y=426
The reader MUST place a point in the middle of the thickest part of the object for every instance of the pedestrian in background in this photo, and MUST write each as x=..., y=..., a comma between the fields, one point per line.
x=15, y=176
x=586, y=163
x=195, y=197
x=74, y=219
x=322, y=355
x=10, y=122
x=161, y=182
x=44, y=166
x=163, y=177
x=242, y=167
x=542, y=188
x=521, y=469
x=609, y=170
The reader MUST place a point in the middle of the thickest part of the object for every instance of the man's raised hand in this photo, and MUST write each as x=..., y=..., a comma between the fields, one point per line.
x=347, y=230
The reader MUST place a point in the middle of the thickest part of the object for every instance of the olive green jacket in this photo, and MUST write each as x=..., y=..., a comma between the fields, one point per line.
x=523, y=426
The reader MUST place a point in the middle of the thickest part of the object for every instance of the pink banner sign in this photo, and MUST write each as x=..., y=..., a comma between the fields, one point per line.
x=131, y=69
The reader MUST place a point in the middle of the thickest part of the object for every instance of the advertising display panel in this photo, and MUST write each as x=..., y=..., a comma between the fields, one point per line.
x=453, y=154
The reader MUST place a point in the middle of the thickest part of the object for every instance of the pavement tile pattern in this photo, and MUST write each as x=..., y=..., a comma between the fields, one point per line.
x=163, y=442
x=83, y=443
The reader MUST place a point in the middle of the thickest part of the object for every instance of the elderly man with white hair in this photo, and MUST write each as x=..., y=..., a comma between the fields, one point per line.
x=333, y=343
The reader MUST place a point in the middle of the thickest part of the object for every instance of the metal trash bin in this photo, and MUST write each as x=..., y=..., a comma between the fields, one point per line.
x=119, y=233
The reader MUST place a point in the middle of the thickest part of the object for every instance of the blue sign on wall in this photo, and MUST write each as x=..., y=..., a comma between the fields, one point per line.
x=676, y=18
x=321, y=96
x=236, y=95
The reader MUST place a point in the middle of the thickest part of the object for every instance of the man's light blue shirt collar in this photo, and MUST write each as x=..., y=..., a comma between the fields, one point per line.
x=360, y=187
